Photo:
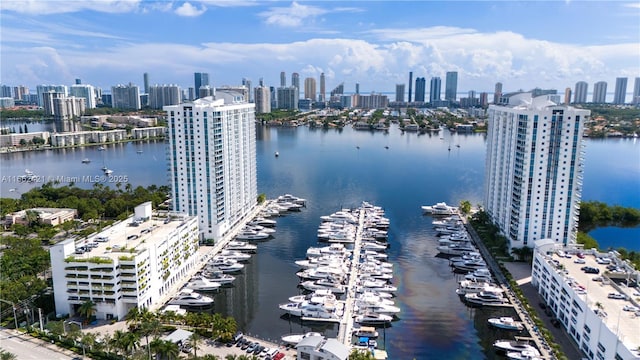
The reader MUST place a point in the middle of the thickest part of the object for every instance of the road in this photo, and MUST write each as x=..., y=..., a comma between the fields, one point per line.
x=27, y=348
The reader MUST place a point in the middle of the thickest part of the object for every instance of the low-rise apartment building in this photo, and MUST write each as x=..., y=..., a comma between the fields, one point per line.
x=48, y=216
x=134, y=263
x=593, y=295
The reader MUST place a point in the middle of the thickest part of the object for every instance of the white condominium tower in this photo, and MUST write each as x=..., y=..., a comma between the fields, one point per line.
x=534, y=169
x=212, y=160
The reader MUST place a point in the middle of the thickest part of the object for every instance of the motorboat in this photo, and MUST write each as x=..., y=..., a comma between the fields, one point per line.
x=524, y=355
x=216, y=275
x=506, y=322
x=320, y=295
x=299, y=309
x=485, y=298
x=515, y=346
x=101, y=148
x=373, y=318
x=467, y=256
x=294, y=339
x=440, y=208
x=365, y=331
x=252, y=235
x=291, y=198
x=372, y=292
x=86, y=160
x=469, y=265
x=235, y=255
x=323, y=260
x=263, y=222
x=202, y=284
x=242, y=246
x=108, y=171
x=449, y=230
x=374, y=285
x=377, y=307
x=470, y=286
x=333, y=249
x=188, y=297
x=260, y=228
x=450, y=220
x=334, y=287
x=176, y=309
x=375, y=246
x=456, y=249
x=226, y=265
x=343, y=215
x=481, y=274
x=321, y=272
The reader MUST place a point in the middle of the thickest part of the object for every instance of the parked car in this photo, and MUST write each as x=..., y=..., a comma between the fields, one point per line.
x=258, y=350
x=252, y=347
x=580, y=261
x=580, y=255
x=617, y=296
x=631, y=308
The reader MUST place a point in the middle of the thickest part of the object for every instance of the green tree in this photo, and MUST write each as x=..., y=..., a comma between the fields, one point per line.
x=164, y=349
x=357, y=354
x=195, y=341
x=5, y=355
x=465, y=207
x=262, y=198
x=87, y=309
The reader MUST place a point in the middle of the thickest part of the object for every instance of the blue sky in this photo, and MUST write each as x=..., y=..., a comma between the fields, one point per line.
x=547, y=44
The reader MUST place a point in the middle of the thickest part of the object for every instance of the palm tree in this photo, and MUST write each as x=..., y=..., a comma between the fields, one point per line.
x=87, y=309
x=361, y=355
x=88, y=340
x=118, y=341
x=210, y=357
x=231, y=357
x=164, y=349
x=195, y=341
x=131, y=341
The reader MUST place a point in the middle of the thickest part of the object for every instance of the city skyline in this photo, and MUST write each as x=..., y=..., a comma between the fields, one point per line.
x=370, y=43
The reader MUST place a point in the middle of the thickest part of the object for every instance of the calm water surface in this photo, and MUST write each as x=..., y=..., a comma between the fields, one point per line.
x=334, y=169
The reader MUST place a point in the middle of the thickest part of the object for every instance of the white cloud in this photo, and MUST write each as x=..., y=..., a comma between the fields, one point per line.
x=189, y=10
x=68, y=6
x=298, y=14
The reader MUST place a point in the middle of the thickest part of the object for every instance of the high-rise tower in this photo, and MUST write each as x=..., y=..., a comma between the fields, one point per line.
x=399, y=92
x=497, y=93
x=295, y=80
x=451, y=86
x=283, y=79
x=636, y=91
x=212, y=160
x=435, y=89
x=600, y=92
x=580, y=96
x=310, y=88
x=322, y=97
x=410, y=85
x=200, y=80
x=621, y=91
x=421, y=86
x=534, y=169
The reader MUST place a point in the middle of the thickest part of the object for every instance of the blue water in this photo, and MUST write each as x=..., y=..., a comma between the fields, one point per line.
x=334, y=169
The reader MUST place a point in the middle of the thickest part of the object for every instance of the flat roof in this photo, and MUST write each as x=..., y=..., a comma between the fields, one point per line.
x=123, y=237
x=625, y=323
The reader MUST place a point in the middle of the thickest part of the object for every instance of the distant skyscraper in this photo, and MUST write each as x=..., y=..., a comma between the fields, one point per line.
x=310, y=88
x=86, y=92
x=288, y=97
x=621, y=91
x=48, y=99
x=323, y=93
x=600, y=92
x=205, y=90
x=200, y=79
x=219, y=182
x=78, y=81
x=295, y=80
x=192, y=94
x=421, y=86
x=5, y=91
x=247, y=83
x=163, y=95
x=497, y=93
x=636, y=91
x=435, y=89
x=484, y=99
x=283, y=79
x=399, y=92
x=20, y=92
x=451, y=86
x=567, y=96
x=145, y=78
x=261, y=82
x=41, y=89
x=533, y=169
x=125, y=97
x=580, y=95
x=410, y=86
x=357, y=88
x=262, y=99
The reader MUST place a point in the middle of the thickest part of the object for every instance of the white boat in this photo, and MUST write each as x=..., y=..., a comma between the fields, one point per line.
x=322, y=272
x=485, y=298
x=263, y=222
x=101, y=148
x=188, y=297
x=309, y=309
x=108, y=172
x=469, y=265
x=291, y=198
x=226, y=265
x=377, y=287
x=335, y=288
x=524, y=355
x=470, y=286
x=440, y=208
x=449, y=230
x=515, y=346
x=216, y=275
x=376, y=307
x=479, y=275
x=259, y=228
x=242, y=246
x=86, y=161
x=456, y=249
x=235, y=255
x=203, y=284
x=365, y=331
x=294, y=339
x=252, y=235
x=321, y=295
x=506, y=322
x=375, y=246
x=176, y=309
x=373, y=318
x=277, y=154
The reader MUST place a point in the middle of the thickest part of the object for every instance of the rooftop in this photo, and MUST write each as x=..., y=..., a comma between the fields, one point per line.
x=624, y=323
x=128, y=237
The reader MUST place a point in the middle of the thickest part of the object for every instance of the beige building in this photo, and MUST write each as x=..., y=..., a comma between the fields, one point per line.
x=48, y=216
x=14, y=139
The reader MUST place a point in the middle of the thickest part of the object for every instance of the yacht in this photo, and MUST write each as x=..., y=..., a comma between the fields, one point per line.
x=515, y=346
x=259, y=228
x=101, y=148
x=252, y=235
x=365, y=331
x=277, y=154
x=378, y=308
x=320, y=295
x=188, y=297
x=235, y=255
x=322, y=272
x=263, y=222
x=309, y=309
x=506, y=322
x=86, y=160
x=469, y=265
x=440, y=208
x=108, y=171
x=456, y=249
x=377, y=286
x=485, y=298
x=373, y=318
x=334, y=287
x=226, y=265
x=479, y=275
x=470, y=286
x=374, y=245
x=449, y=230
x=242, y=246
x=294, y=339
x=291, y=198
x=176, y=309
x=524, y=355
x=202, y=284
x=216, y=275
x=450, y=220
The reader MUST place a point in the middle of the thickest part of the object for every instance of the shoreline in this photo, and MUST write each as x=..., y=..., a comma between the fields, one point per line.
x=11, y=150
